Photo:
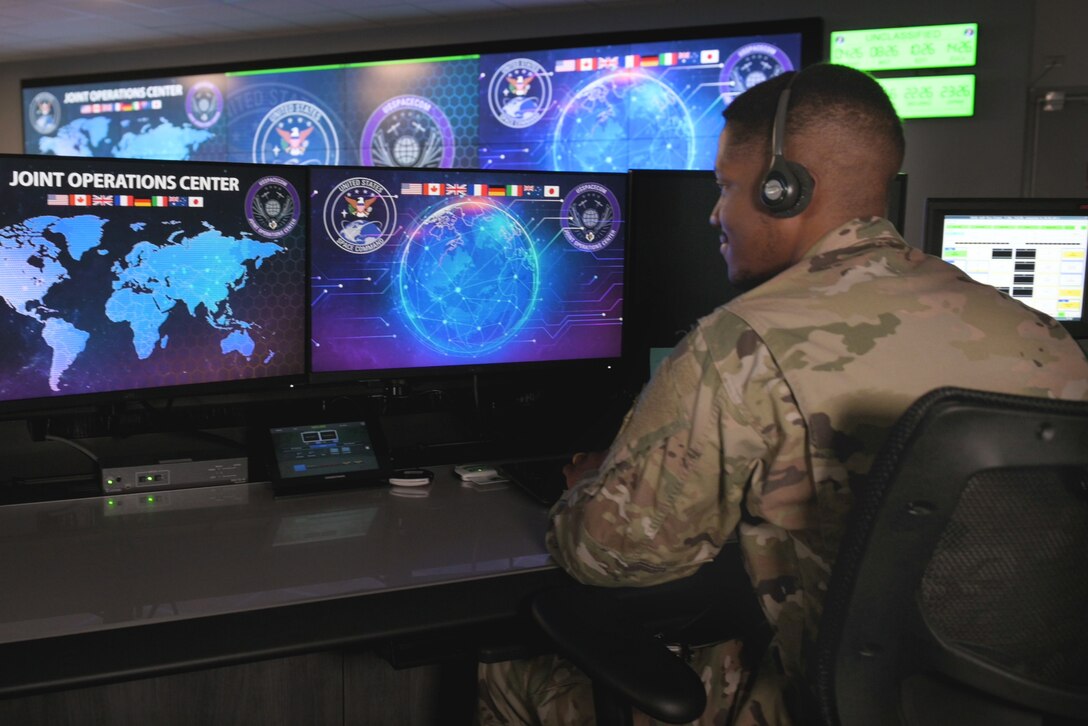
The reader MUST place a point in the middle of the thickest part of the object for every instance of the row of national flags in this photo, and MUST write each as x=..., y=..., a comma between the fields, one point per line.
x=153, y=105
x=438, y=189
x=601, y=63
x=120, y=200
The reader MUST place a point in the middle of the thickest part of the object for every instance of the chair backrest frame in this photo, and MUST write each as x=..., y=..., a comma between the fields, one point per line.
x=909, y=497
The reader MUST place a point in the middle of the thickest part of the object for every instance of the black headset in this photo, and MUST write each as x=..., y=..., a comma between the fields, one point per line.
x=786, y=188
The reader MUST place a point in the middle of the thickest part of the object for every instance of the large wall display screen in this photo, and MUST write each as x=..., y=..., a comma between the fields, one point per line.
x=424, y=269
x=122, y=275
x=600, y=108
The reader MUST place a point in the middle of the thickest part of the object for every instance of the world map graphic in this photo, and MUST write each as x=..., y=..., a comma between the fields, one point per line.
x=141, y=139
x=50, y=266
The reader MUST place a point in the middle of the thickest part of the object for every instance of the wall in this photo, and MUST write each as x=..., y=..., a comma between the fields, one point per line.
x=982, y=156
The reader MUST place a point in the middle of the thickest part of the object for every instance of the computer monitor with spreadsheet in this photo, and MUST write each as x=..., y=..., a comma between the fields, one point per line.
x=1035, y=250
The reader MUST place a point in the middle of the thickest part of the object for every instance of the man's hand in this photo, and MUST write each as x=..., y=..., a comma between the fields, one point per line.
x=580, y=463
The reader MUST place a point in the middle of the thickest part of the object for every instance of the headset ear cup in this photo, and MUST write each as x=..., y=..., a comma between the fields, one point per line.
x=802, y=190
x=778, y=190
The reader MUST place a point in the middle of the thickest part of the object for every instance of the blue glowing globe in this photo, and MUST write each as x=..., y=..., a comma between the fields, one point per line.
x=625, y=120
x=468, y=278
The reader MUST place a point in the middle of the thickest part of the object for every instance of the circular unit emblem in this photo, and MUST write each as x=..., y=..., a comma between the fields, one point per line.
x=589, y=216
x=407, y=131
x=44, y=113
x=749, y=66
x=360, y=216
x=519, y=93
x=272, y=207
x=296, y=132
x=204, y=104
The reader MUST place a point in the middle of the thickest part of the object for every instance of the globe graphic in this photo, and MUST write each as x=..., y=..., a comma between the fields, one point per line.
x=272, y=207
x=406, y=151
x=625, y=120
x=468, y=278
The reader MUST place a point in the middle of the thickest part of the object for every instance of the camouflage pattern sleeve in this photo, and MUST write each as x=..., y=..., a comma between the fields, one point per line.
x=715, y=430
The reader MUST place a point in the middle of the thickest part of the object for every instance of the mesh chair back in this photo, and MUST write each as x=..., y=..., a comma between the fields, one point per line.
x=964, y=560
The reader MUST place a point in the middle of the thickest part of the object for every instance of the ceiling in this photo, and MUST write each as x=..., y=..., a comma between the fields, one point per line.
x=53, y=28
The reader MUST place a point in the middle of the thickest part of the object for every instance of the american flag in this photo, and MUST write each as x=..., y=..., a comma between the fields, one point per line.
x=57, y=200
x=411, y=188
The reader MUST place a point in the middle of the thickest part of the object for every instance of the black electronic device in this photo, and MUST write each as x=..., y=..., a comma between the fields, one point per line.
x=786, y=189
x=677, y=272
x=130, y=279
x=324, y=455
x=1034, y=250
x=599, y=102
x=416, y=271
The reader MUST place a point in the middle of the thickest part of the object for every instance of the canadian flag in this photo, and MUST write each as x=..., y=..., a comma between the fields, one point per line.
x=434, y=190
x=80, y=200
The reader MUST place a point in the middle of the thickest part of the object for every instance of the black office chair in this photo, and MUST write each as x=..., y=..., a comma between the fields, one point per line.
x=627, y=639
x=960, y=592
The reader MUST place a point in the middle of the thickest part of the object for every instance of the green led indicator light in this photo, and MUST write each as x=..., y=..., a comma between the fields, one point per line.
x=151, y=500
x=921, y=46
x=111, y=502
x=339, y=66
x=931, y=96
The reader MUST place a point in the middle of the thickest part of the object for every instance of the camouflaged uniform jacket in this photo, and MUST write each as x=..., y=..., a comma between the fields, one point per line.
x=772, y=408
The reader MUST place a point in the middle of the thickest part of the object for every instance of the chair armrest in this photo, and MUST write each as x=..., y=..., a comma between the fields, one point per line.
x=589, y=626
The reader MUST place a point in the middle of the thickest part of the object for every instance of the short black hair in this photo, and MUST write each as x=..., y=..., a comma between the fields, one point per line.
x=819, y=94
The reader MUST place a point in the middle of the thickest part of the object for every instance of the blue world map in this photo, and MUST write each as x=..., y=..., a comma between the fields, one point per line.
x=153, y=280
x=140, y=139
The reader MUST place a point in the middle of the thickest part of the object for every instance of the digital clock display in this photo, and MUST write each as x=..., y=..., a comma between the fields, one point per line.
x=890, y=49
x=931, y=96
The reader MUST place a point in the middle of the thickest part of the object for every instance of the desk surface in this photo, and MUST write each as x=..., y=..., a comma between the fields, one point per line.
x=100, y=567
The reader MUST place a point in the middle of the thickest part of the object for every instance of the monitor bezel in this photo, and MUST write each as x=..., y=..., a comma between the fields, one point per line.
x=564, y=366
x=937, y=208
x=87, y=401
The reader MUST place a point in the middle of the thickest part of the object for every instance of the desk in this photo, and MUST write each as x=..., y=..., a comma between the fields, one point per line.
x=104, y=589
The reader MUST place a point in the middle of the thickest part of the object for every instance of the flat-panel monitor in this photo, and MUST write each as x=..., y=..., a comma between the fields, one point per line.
x=678, y=274
x=598, y=102
x=137, y=276
x=653, y=102
x=416, y=270
x=1034, y=250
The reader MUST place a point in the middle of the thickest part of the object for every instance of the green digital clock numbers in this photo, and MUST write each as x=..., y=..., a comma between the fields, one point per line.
x=891, y=49
x=931, y=96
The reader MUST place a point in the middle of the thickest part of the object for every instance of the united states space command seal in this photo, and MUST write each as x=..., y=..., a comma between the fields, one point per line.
x=407, y=131
x=272, y=207
x=360, y=216
x=296, y=132
x=520, y=93
x=589, y=217
x=204, y=104
x=44, y=113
